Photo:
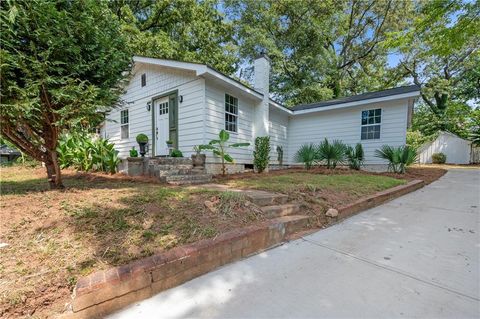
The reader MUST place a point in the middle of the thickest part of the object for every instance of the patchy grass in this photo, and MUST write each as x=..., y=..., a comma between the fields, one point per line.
x=354, y=183
x=97, y=222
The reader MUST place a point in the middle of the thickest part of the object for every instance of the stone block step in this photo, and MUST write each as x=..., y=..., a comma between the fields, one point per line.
x=188, y=179
x=164, y=167
x=262, y=198
x=182, y=171
x=280, y=210
x=171, y=161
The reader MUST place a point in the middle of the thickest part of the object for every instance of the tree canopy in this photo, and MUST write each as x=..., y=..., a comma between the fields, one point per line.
x=62, y=63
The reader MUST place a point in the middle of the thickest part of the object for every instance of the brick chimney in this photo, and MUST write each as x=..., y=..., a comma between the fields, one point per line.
x=262, y=84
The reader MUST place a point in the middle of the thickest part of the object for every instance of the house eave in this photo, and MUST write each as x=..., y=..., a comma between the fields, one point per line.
x=413, y=94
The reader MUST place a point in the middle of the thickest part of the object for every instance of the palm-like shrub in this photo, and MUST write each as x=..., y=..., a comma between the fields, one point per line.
x=307, y=155
x=355, y=156
x=331, y=154
x=398, y=157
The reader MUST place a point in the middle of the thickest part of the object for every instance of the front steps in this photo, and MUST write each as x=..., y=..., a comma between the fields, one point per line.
x=177, y=171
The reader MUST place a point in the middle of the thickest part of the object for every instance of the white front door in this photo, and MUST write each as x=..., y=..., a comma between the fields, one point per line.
x=162, y=126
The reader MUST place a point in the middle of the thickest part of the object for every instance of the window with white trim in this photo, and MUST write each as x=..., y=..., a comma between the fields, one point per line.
x=231, y=113
x=371, y=121
x=124, y=129
x=144, y=79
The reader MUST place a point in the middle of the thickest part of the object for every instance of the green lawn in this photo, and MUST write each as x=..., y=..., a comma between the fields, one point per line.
x=358, y=184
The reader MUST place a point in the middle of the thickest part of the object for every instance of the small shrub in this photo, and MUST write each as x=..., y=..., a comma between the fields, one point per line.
x=331, y=153
x=133, y=152
x=306, y=155
x=176, y=153
x=261, y=154
x=355, y=156
x=439, y=158
x=398, y=157
x=142, y=138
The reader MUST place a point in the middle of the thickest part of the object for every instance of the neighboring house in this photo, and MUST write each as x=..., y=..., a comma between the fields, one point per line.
x=8, y=154
x=190, y=103
x=457, y=149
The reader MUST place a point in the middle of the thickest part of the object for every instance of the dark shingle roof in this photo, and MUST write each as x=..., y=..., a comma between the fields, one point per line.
x=359, y=97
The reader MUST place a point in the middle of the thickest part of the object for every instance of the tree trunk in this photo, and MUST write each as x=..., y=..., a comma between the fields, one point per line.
x=53, y=171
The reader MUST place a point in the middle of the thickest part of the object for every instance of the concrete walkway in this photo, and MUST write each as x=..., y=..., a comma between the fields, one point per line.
x=417, y=256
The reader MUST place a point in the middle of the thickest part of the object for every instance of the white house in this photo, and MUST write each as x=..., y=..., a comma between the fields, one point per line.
x=190, y=103
x=456, y=149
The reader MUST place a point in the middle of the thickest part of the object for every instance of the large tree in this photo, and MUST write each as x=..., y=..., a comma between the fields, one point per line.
x=61, y=64
x=187, y=30
x=440, y=52
x=319, y=49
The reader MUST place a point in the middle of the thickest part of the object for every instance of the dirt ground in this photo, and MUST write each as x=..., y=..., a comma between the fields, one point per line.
x=98, y=221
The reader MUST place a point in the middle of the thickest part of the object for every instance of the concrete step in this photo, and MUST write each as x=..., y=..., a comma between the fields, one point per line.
x=274, y=211
x=187, y=179
x=262, y=198
x=164, y=167
x=294, y=223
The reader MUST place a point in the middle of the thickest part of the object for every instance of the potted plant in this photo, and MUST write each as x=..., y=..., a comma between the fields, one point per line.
x=169, y=144
x=133, y=152
x=198, y=159
x=142, y=141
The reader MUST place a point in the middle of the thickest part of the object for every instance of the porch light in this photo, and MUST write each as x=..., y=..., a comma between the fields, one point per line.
x=148, y=106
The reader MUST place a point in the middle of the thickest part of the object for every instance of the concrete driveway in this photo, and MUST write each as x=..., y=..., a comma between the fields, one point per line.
x=417, y=256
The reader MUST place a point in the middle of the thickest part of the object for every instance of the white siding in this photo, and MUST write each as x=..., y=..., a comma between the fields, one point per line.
x=345, y=125
x=455, y=148
x=215, y=122
x=278, y=131
x=159, y=81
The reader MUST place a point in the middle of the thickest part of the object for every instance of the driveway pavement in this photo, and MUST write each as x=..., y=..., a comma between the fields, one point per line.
x=417, y=256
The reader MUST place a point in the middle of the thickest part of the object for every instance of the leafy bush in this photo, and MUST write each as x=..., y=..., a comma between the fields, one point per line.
x=142, y=138
x=219, y=148
x=176, y=153
x=439, y=158
x=261, y=154
x=133, y=152
x=355, y=156
x=84, y=153
x=307, y=155
x=398, y=157
x=416, y=139
x=280, y=155
x=331, y=153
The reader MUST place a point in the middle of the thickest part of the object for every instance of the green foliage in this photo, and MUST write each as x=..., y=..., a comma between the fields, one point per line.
x=219, y=148
x=319, y=49
x=331, y=153
x=439, y=158
x=62, y=63
x=398, y=157
x=133, y=152
x=280, y=155
x=416, y=139
x=176, y=153
x=169, y=142
x=198, y=149
x=85, y=153
x=440, y=51
x=306, y=154
x=142, y=138
x=261, y=154
x=187, y=30
x=355, y=156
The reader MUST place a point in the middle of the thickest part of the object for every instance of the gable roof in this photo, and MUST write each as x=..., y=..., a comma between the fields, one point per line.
x=412, y=90
x=209, y=72
x=200, y=70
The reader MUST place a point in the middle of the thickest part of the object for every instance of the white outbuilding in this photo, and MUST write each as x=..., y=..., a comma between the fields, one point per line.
x=457, y=149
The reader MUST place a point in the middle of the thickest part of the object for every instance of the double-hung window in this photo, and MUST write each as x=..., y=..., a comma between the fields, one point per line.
x=231, y=113
x=124, y=130
x=371, y=121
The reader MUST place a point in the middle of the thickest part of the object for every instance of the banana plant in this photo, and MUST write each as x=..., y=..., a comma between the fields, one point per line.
x=219, y=148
